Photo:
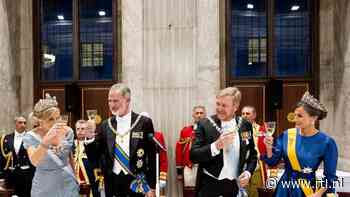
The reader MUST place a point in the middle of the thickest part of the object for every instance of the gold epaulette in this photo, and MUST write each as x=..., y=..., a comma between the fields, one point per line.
x=7, y=156
x=185, y=140
x=99, y=177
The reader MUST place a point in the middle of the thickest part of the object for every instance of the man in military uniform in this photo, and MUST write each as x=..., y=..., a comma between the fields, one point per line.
x=83, y=168
x=16, y=167
x=186, y=171
x=163, y=158
x=163, y=162
x=257, y=179
x=122, y=146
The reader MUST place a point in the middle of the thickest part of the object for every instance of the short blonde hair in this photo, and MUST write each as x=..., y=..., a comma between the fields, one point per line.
x=233, y=92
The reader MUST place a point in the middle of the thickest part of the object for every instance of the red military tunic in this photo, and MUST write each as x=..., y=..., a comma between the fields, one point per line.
x=184, y=165
x=261, y=151
x=183, y=147
x=163, y=158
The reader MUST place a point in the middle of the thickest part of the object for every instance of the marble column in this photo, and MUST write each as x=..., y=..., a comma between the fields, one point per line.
x=8, y=97
x=171, y=62
x=335, y=73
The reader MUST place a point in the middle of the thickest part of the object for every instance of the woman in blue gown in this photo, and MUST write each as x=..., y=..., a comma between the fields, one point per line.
x=303, y=149
x=49, y=146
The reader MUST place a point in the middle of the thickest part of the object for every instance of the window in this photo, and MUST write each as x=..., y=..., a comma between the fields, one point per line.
x=77, y=44
x=248, y=34
x=256, y=51
x=92, y=55
x=56, y=40
x=269, y=38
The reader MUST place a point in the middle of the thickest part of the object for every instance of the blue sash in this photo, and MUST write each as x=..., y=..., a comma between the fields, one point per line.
x=139, y=184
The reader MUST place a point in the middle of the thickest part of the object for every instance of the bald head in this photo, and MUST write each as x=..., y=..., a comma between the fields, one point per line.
x=249, y=113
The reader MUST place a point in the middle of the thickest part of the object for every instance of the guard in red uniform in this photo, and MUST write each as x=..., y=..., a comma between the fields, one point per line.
x=163, y=162
x=186, y=170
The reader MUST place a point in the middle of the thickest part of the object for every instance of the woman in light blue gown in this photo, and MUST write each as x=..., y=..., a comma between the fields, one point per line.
x=303, y=149
x=49, y=146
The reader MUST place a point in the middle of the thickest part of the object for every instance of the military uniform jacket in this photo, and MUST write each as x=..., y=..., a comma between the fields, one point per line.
x=163, y=158
x=10, y=161
x=142, y=150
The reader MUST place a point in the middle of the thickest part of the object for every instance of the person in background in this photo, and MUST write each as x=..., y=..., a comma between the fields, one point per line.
x=258, y=177
x=163, y=162
x=224, y=148
x=163, y=158
x=186, y=170
x=84, y=169
x=16, y=167
x=303, y=149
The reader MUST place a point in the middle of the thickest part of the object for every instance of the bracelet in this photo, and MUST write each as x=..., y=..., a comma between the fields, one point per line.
x=45, y=145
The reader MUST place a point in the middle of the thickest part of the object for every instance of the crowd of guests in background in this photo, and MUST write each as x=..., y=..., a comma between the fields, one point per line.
x=225, y=154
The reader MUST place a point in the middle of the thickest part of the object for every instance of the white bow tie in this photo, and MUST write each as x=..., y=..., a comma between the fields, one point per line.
x=20, y=135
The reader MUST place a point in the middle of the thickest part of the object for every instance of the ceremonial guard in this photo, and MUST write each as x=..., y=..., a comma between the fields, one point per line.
x=259, y=175
x=16, y=168
x=163, y=162
x=186, y=171
x=85, y=170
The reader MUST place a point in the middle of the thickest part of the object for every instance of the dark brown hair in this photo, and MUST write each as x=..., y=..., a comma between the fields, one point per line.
x=312, y=111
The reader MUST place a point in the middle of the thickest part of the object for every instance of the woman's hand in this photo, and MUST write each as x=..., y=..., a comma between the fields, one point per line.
x=315, y=195
x=55, y=135
x=268, y=142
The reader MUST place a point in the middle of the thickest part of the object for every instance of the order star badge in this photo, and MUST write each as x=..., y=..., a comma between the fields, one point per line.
x=307, y=170
x=139, y=163
x=140, y=152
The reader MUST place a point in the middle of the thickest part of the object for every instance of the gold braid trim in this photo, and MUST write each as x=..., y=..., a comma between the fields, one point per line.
x=185, y=140
x=99, y=177
x=7, y=156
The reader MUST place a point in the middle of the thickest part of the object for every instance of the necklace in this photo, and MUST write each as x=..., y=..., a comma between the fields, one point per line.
x=121, y=136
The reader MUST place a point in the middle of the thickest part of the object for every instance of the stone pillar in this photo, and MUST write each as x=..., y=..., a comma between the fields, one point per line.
x=335, y=73
x=8, y=97
x=25, y=63
x=171, y=62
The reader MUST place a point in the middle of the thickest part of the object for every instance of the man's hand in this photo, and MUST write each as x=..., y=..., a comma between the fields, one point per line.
x=244, y=179
x=225, y=139
x=180, y=177
x=151, y=193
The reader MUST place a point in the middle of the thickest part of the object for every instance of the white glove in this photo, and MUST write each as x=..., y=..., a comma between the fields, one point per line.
x=162, y=184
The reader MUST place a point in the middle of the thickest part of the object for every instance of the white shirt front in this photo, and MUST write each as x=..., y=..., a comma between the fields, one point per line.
x=230, y=153
x=18, y=140
x=122, y=139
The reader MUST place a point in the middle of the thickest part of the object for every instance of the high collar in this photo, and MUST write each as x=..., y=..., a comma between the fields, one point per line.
x=124, y=118
x=18, y=134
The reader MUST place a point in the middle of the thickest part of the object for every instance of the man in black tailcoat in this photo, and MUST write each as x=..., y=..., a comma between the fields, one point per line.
x=224, y=148
x=127, y=157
